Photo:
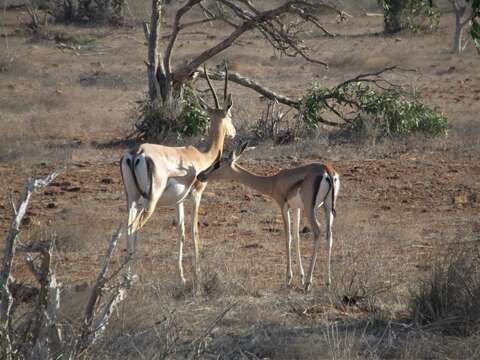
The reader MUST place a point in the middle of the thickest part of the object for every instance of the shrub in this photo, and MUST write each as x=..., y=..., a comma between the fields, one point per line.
x=74, y=38
x=192, y=119
x=415, y=15
x=357, y=105
x=449, y=300
x=183, y=118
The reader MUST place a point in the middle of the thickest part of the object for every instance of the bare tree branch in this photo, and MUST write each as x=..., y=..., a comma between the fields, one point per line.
x=6, y=299
x=252, y=84
x=95, y=325
x=259, y=20
x=176, y=29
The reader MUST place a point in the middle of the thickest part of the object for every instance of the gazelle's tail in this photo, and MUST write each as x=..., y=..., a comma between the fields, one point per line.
x=331, y=173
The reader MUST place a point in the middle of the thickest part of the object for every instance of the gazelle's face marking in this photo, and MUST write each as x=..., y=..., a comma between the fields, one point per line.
x=222, y=117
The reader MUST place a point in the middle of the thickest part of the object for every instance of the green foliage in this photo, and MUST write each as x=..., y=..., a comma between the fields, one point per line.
x=184, y=118
x=357, y=104
x=314, y=102
x=415, y=15
x=192, y=120
x=475, y=29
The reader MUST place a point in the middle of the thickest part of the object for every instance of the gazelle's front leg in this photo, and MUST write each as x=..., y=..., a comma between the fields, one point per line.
x=288, y=238
x=197, y=197
x=296, y=231
x=181, y=238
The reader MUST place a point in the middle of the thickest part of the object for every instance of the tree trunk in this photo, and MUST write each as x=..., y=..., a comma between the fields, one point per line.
x=151, y=34
x=394, y=13
x=161, y=86
x=457, y=36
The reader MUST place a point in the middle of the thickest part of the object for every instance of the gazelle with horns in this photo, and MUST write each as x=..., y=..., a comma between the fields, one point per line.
x=306, y=187
x=156, y=174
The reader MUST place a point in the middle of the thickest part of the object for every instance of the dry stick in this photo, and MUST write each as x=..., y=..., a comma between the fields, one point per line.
x=197, y=343
x=6, y=299
x=94, y=327
x=46, y=335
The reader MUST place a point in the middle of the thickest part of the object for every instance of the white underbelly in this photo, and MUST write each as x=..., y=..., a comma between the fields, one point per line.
x=174, y=192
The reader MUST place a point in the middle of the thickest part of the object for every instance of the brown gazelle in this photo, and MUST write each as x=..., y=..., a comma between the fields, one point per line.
x=156, y=174
x=306, y=187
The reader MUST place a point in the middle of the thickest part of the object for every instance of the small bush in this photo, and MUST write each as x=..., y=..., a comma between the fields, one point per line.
x=275, y=124
x=414, y=15
x=98, y=11
x=183, y=118
x=449, y=300
x=74, y=38
x=358, y=105
x=7, y=60
x=192, y=120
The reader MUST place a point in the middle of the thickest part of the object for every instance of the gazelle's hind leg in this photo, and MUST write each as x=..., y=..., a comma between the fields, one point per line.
x=181, y=238
x=329, y=223
x=312, y=220
x=296, y=230
x=312, y=200
x=133, y=199
x=197, y=192
x=288, y=238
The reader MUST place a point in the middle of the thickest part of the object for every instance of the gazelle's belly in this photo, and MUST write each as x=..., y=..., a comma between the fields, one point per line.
x=174, y=193
x=295, y=200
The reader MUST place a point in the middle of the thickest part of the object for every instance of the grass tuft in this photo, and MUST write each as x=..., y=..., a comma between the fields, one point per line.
x=449, y=299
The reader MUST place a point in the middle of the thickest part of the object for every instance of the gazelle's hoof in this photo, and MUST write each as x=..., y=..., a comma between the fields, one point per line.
x=302, y=279
x=289, y=280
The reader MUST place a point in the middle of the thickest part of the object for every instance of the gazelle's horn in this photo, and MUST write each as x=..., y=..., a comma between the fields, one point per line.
x=217, y=104
x=226, y=83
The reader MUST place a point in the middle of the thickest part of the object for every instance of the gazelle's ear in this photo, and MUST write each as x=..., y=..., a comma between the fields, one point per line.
x=228, y=103
x=242, y=148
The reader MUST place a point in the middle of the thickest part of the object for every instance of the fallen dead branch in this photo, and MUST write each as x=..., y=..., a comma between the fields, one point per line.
x=39, y=334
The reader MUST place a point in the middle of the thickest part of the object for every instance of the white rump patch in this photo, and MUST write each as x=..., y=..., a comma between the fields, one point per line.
x=323, y=191
x=141, y=173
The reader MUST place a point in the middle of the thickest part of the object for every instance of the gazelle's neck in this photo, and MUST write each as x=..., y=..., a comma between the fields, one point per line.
x=263, y=184
x=216, y=140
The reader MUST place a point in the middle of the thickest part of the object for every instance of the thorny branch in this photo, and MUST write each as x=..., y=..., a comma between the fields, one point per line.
x=37, y=334
x=6, y=300
x=282, y=36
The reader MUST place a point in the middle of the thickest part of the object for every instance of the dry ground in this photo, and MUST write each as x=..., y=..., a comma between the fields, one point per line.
x=403, y=203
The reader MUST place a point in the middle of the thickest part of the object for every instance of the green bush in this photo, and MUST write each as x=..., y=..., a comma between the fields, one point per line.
x=183, y=118
x=192, y=119
x=356, y=105
x=415, y=15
